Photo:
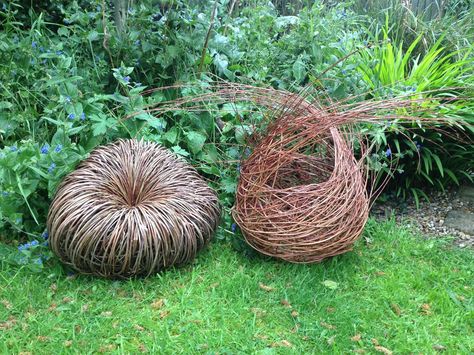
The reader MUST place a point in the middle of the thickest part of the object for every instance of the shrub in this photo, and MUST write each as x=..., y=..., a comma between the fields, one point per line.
x=434, y=157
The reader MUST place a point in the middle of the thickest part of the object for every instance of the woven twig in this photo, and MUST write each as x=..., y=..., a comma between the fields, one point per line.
x=131, y=208
x=302, y=195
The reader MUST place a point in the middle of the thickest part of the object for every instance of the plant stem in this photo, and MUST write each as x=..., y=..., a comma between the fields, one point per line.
x=206, y=42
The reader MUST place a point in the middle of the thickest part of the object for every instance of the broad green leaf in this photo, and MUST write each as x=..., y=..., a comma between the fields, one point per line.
x=180, y=151
x=195, y=141
x=171, y=136
x=299, y=69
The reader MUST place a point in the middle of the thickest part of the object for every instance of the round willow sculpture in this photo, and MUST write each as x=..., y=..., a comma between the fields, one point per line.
x=131, y=208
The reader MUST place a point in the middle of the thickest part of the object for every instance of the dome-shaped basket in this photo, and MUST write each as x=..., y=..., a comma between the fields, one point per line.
x=131, y=208
x=301, y=196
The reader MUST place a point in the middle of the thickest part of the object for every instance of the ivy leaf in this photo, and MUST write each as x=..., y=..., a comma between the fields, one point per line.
x=195, y=141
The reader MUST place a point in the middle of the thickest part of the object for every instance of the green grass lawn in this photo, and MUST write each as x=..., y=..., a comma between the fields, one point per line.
x=393, y=292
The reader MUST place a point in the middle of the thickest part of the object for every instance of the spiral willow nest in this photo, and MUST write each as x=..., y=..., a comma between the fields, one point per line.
x=303, y=195
x=303, y=203
x=131, y=208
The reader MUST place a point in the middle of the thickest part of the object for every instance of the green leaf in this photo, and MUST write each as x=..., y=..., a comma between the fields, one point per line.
x=229, y=185
x=101, y=124
x=415, y=196
x=93, y=36
x=59, y=138
x=452, y=176
x=241, y=133
x=195, y=141
x=330, y=284
x=25, y=197
x=63, y=31
x=171, y=136
x=438, y=163
x=39, y=172
x=180, y=151
x=299, y=69
x=5, y=105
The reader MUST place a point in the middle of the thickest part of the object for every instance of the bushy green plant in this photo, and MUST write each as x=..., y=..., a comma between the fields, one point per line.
x=425, y=157
x=63, y=91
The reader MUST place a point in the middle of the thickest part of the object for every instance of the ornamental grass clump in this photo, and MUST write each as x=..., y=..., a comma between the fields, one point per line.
x=131, y=208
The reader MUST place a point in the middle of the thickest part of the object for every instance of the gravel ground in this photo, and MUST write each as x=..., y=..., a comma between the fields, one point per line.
x=445, y=214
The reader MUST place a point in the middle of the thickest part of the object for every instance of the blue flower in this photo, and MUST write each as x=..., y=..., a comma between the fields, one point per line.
x=238, y=168
x=34, y=44
x=4, y=7
x=13, y=149
x=23, y=246
x=418, y=146
x=34, y=243
x=83, y=116
x=71, y=116
x=45, y=149
x=344, y=72
x=51, y=168
x=137, y=42
x=388, y=152
x=247, y=152
x=126, y=79
x=58, y=148
x=68, y=99
x=45, y=235
x=233, y=227
x=41, y=49
x=59, y=52
x=5, y=193
x=38, y=261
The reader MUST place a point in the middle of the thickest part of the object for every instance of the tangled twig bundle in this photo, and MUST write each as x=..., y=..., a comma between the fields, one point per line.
x=302, y=195
x=131, y=208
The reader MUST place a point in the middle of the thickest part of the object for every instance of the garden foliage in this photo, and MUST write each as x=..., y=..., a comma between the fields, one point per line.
x=69, y=80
